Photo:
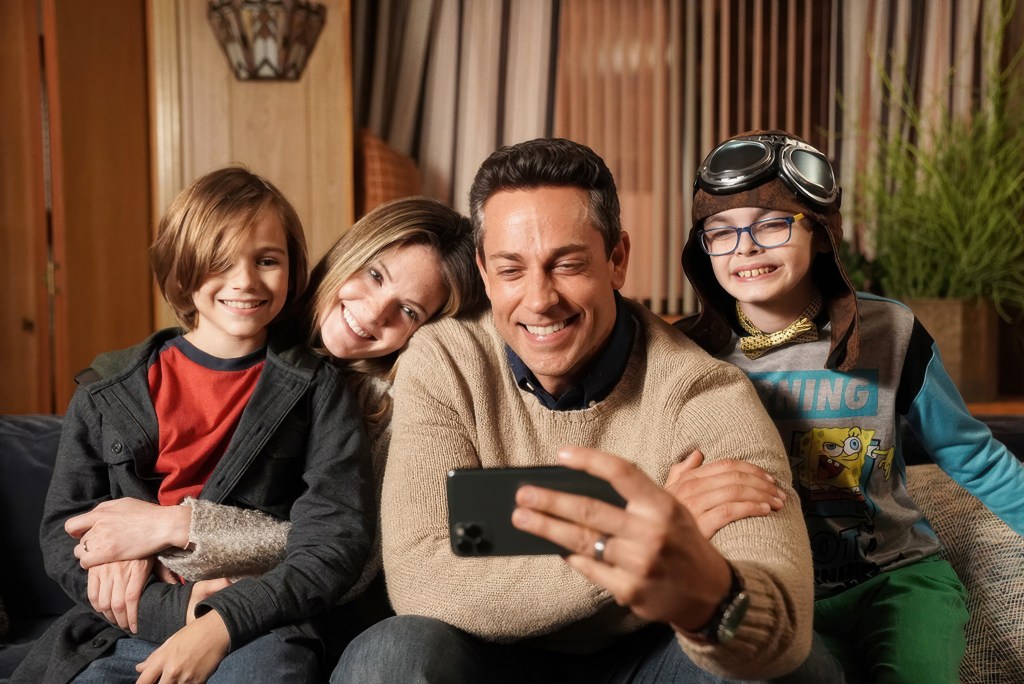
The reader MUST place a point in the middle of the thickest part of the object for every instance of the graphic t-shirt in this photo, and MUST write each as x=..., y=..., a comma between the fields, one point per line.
x=843, y=430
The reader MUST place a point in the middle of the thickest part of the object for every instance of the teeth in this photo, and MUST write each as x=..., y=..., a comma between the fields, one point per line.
x=355, y=326
x=545, y=329
x=241, y=305
x=754, y=272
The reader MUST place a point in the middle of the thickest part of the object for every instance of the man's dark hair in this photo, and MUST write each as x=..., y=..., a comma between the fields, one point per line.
x=548, y=162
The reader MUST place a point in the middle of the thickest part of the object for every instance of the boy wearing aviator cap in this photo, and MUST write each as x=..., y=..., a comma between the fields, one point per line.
x=839, y=371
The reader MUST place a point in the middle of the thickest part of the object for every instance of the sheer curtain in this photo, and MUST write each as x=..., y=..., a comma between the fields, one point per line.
x=652, y=85
x=448, y=81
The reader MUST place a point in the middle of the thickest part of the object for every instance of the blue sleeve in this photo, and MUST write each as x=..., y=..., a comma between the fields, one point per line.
x=964, y=447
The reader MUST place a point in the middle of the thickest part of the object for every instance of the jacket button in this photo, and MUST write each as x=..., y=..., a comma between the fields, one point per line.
x=99, y=642
x=116, y=447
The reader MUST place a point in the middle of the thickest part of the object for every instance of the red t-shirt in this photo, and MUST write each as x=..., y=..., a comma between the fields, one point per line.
x=199, y=400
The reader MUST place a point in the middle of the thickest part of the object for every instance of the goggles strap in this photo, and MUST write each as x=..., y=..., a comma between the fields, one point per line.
x=803, y=329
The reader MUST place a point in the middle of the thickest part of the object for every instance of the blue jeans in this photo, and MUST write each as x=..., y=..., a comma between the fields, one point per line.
x=412, y=649
x=266, y=659
x=821, y=667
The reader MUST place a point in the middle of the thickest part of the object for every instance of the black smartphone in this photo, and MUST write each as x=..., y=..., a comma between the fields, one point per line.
x=481, y=501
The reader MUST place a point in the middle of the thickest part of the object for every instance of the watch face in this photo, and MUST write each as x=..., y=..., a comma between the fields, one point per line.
x=733, y=617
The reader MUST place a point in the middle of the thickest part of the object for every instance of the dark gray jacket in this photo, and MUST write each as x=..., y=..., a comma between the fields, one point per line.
x=299, y=453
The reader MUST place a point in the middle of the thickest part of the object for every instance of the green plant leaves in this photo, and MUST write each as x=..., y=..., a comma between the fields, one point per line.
x=949, y=213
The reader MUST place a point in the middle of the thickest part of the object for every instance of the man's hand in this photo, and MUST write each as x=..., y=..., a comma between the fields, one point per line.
x=114, y=590
x=127, y=529
x=722, y=492
x=653, y=559
x=190, y=655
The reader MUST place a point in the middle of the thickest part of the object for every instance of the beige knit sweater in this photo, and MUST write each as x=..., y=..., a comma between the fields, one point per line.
x=457, y=406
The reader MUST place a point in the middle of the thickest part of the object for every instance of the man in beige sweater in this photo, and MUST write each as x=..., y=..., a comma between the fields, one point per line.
x=563, y=370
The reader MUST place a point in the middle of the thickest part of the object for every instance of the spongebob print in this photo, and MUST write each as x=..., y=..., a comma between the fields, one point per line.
x=834, y=462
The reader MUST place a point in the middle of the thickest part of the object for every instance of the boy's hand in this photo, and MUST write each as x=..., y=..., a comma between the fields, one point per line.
x=722, y=492
x=127, y=529
x=201, y=590
x=162, y=573
x=190, y=655
x=114, y=590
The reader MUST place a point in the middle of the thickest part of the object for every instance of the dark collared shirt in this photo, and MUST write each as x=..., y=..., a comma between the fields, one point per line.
x=598, y=382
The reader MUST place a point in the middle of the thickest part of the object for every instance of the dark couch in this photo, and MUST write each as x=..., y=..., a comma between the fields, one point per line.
x=28, y=445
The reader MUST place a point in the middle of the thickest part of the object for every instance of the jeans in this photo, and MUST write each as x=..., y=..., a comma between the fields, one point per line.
x=413, y=649
x=265, y=659
x=821, y=667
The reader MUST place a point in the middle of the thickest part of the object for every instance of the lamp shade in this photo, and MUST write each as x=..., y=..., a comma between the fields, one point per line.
x=267, y=39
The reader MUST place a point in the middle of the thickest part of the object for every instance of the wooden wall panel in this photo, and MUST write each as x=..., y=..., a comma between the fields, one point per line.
x=297, y=134
x=24, y=305
x=99, y=150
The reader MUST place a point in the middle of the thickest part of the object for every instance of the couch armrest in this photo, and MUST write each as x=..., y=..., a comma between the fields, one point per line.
x=28, y=448
x=988, y=557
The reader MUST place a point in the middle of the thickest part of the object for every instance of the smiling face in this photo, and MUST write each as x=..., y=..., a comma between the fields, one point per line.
x=775, y=285
x=549, y=280
x=234, y=307
x=378, y=309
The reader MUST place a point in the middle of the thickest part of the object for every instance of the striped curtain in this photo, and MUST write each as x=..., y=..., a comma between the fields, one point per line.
x=653, y=85
x=447, y=81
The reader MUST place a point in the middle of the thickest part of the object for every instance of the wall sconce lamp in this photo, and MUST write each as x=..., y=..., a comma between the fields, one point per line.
x=267, y=40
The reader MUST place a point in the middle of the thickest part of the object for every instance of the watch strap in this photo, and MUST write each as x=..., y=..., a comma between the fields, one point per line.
x=727, y=616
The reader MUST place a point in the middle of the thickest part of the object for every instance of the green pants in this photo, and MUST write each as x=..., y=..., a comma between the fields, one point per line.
x=906, y=625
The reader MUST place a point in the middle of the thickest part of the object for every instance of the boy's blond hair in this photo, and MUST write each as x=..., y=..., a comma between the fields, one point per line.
x=206, y=223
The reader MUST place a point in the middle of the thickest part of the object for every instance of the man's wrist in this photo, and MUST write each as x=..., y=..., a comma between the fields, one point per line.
x=728, y=614
x=701, y=606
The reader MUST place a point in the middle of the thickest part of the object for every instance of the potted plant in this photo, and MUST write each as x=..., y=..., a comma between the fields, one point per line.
x=946, y=203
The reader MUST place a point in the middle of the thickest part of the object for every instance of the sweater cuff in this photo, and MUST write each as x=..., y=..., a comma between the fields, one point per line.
x=227, y=541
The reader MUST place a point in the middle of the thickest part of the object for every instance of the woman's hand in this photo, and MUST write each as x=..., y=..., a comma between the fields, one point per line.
x=190, y=655
x=127, y=529
x=722, y=492
x=114, y=590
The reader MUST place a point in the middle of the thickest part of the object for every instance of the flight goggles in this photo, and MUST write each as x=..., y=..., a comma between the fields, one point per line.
x=747, y=162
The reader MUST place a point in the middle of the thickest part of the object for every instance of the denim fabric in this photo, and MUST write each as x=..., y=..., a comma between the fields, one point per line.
x=821, y=667
x=266, y=659
x=413, y=649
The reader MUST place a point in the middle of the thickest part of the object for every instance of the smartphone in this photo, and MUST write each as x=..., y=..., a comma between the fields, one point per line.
x=481, y=501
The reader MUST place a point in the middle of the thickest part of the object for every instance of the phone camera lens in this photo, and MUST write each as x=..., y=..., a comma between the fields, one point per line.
x=469, y=538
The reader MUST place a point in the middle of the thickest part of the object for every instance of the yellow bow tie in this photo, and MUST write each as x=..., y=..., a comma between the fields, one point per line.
x=802, y=329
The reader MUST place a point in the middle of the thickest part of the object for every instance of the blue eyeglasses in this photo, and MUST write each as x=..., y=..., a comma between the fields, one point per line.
x=766, y=233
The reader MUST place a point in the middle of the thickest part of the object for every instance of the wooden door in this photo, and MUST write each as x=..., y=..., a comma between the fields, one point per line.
x=74, y=137
x=25, y=368
x=95, y=54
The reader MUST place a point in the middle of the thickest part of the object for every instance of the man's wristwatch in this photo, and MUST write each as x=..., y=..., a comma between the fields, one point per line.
x=727, y=617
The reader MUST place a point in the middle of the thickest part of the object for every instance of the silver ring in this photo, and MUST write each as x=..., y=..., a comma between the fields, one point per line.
x=599, y=546
x=85, y=545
